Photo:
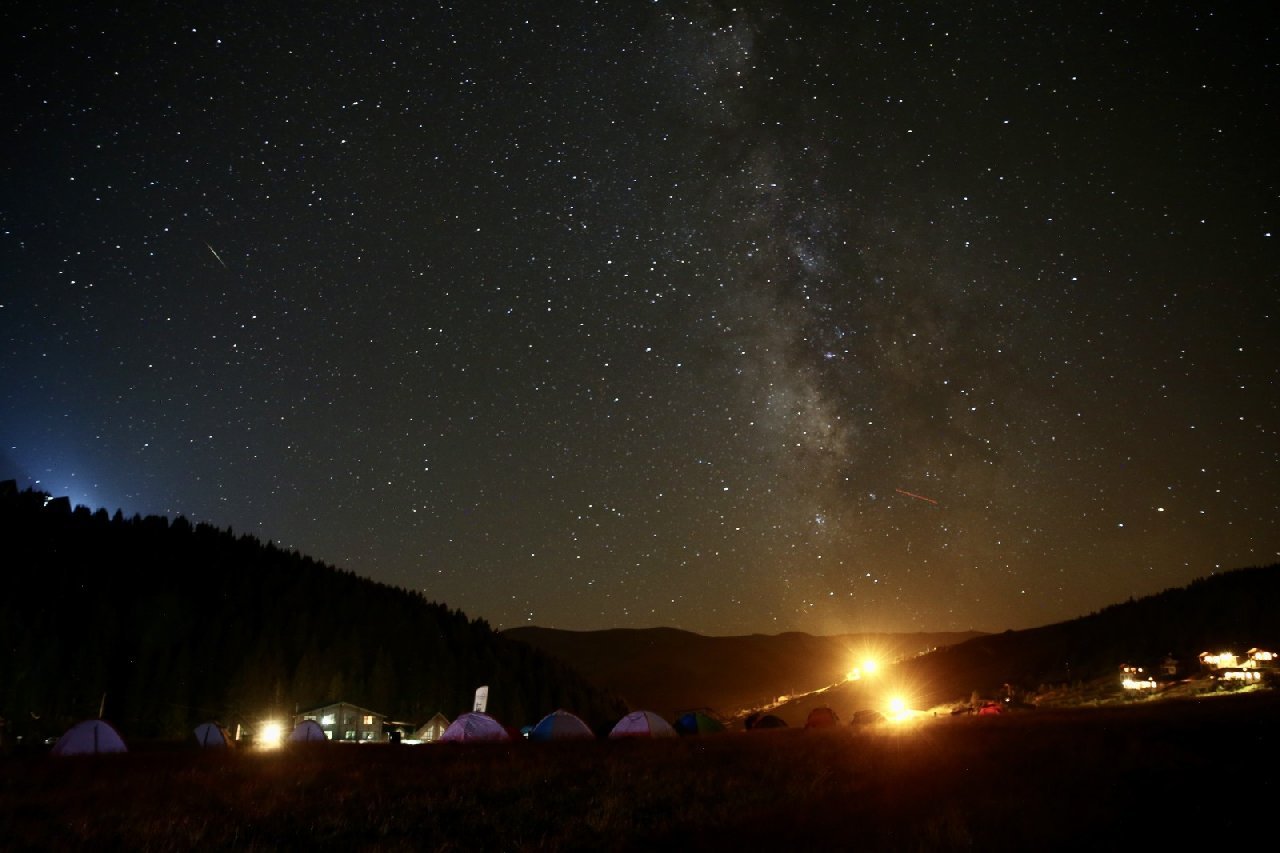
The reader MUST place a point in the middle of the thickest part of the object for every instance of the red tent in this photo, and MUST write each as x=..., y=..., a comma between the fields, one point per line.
x=821, y=718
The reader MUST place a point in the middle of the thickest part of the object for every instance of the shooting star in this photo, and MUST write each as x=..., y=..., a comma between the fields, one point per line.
x=917, y=497
x=216, y=255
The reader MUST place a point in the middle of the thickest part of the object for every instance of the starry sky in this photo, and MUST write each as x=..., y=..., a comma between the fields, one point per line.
x=781, y=316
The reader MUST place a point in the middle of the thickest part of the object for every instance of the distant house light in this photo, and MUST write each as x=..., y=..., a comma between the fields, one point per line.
x=1220, y=660
x=1240, y=675
x=1133, y=678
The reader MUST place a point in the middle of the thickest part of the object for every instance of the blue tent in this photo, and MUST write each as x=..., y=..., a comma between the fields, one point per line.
x=561, y=725
x=697, y=723
x=89, y=737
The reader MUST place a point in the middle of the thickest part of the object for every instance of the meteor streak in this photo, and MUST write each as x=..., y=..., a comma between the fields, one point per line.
x=917, y=497
x=216, y=255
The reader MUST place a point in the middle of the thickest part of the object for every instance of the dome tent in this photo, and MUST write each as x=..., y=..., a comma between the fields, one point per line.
x=821, y=718
x=762, y=722
x=474, y=726
x=561, y=725
x=307, y=731
x=697, y=723
x=211, y=734
x=642, y=724
x=867, y=717
x=90, y=737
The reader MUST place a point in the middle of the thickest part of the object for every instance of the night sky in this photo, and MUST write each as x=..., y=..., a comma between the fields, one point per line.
x=873, y=316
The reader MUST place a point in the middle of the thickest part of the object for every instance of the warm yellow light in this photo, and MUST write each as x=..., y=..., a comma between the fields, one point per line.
x=869, y=666
x=271, y=735
x=897, y=705
x=853, y=674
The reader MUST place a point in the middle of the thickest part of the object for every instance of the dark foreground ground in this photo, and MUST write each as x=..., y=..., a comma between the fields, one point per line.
x=1132, y=778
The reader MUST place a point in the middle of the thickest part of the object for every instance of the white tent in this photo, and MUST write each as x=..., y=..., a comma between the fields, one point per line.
x=642, y=724
x=213, y=735
x=474, y=726
x=89, y=737
x=307, y=731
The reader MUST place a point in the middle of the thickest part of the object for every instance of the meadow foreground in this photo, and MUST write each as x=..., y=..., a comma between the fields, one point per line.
x=1044, y=780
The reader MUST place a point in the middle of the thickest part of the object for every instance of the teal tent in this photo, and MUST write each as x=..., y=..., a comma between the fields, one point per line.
x=697, y=723
x=560, y=725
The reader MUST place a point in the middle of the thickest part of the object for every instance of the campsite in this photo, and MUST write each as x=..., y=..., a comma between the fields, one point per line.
x=1050, y=780
x=139, y=714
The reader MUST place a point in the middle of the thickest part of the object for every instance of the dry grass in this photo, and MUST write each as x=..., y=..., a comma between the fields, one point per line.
x=1056, y=780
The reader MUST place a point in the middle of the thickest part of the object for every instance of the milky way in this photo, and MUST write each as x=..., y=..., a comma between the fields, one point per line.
x=733, y=319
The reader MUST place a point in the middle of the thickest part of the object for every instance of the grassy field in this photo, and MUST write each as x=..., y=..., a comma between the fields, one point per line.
x=1104, y=779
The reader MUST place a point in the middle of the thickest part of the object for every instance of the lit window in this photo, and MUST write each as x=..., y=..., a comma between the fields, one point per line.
x=368, y=719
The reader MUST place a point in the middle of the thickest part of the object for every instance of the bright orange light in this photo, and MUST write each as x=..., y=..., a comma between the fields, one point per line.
x=271, y=734
x=897, y=705
x=853, y=674
x=869, y=666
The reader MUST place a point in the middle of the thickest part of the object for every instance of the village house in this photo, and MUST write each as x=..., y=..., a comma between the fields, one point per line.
x=1228, y=666
x=431, y=731
x=1261, y=659
x=342, y=721
x=1134, y=678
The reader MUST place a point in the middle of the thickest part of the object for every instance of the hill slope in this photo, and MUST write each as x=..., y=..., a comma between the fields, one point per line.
x=168, y=624
x=665, y=669
x=1235, y=610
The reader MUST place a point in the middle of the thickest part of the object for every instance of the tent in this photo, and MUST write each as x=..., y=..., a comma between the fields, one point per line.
x=561, y=725
x=474, y=726
x=767, y=721
x=867, y=717
x=89, y=737
x=432, y=729
x=697, y=723
x=307, y=731
x=821, y=718
x=213, y=735
x=642, y=724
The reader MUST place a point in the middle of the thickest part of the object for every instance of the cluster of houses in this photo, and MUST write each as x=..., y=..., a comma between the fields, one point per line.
x=1227, y=667
x=345, y=722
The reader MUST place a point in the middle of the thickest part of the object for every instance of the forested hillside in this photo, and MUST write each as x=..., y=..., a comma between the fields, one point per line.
x=668, y=670
x=176, y=623
x=1233, y=610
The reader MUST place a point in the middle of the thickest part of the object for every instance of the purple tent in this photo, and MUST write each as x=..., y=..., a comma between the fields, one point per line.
x=89, y=737
x=474, y=726
x=642, y=724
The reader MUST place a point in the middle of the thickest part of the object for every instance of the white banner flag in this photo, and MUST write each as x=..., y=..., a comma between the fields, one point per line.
x=482, y=699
